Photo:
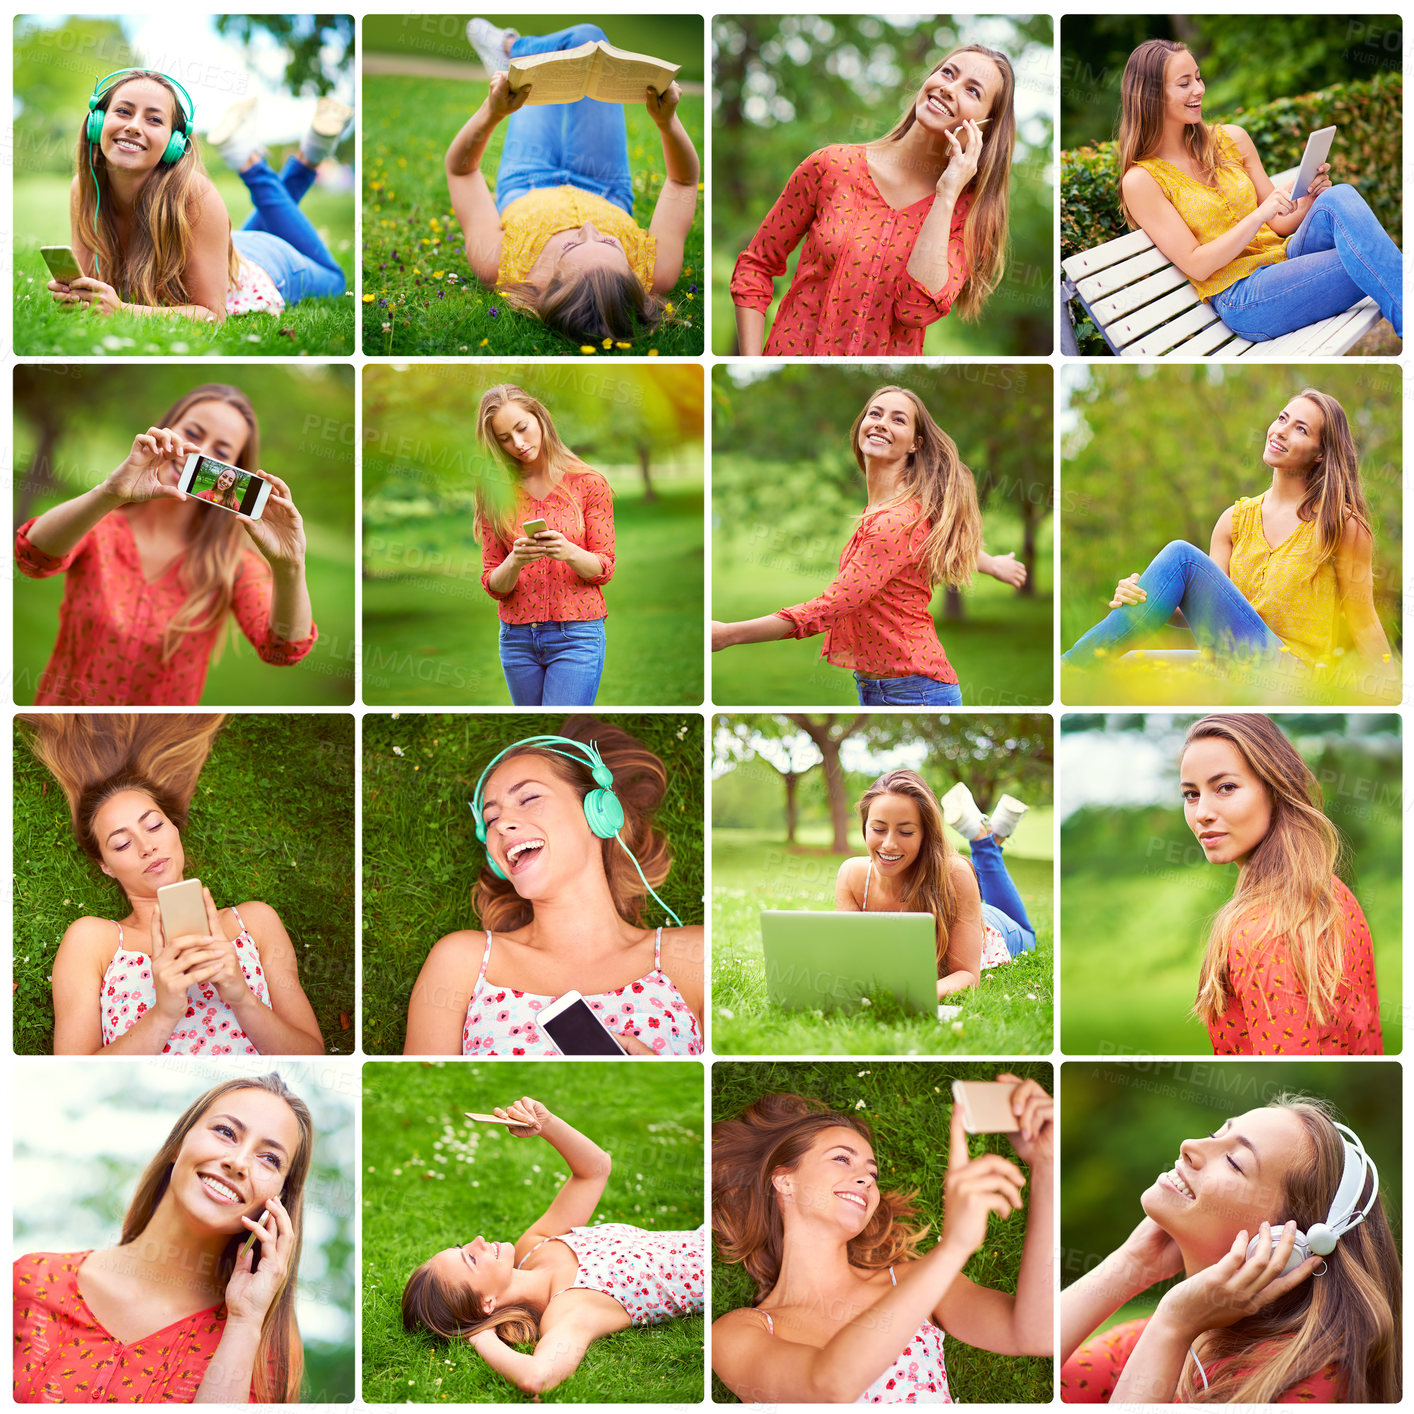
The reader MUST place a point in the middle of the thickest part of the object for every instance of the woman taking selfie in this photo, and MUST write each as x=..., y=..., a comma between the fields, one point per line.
x=123, y=987
x=151, y=575
x=224, y=492
x=182, y=1311
x=897, y=231
x=1267, y=264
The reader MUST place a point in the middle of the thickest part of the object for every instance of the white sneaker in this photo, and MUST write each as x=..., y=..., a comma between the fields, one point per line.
x=326, y=130
x=961, y=812
x=1006, y=816
x=233, y=134
x=492, y=45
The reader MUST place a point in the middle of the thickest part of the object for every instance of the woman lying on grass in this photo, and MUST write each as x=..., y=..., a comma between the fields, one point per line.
x=151, y=232
x=561, y=1284
x=558, y=239
x=847, y=1308
x=122, y=987
x=911, y=868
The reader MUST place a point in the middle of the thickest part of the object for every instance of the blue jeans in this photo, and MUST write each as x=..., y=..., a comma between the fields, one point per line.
x=1338, y=255
x=582, y=144
x=1001, y=904
x=1181, y=577
x=911, y=691
x=279, y=237
x=553, y=664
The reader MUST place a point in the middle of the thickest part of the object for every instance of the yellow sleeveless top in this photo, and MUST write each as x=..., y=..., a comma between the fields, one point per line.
x=1210, y=211
x=1297, y=599
x=530, y=220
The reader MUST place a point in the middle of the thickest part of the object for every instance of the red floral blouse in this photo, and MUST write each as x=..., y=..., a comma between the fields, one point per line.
x=63, y=1355
x=109, y=650
x=1268, y=1014
x=876, y=616
x=1091, y=1374
x=549, y=590
x=852, y=294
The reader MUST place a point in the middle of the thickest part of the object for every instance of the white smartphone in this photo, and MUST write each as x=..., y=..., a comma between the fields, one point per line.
x=183, y=909
x=1318, y=147
x=985, y=1105
x=574, y=1030
x=242, y=492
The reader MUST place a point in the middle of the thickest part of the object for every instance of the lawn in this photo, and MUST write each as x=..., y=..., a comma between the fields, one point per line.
x=1009, y=1013
x=314, y=326
x=421, y=857
x=907, y=1107
x=430, y=635
x=419, y=295
x=272, y=819
x=426, y=1185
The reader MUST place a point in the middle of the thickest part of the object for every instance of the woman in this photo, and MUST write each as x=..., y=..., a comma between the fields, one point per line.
x=921, y=214
x=181, y=1311
x=151, y=232
x=847, y=1310
x=911, y=868
x=545, y=1289
x=1288, y=571
x=1240, y=1328
x=124, y=987
x=1267, y=264
x=150, y=580
x=921, y=527
x=558, y=239
x=1289, y=967
x=561, y=905
x=224, y=492
x=547, y=585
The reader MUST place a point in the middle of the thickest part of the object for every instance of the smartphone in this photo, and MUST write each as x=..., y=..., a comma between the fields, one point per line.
x=224, y=485
x=532, y=528
x=183, y=909
x=489, y=1119
x=1318, y=147
x=61, y=262
x=985, y=1105
x=574, y=1030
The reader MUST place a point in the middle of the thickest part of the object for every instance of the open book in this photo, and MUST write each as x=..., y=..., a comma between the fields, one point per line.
x=593, y=70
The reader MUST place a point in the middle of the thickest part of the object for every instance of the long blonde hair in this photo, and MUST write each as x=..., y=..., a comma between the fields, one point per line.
x=589, y=306
x=279, y=1356
x=1285, y=880
x=151, y=268
x=985, y=230
x=1333, y=491
x=938, y=479
x=1141, y=118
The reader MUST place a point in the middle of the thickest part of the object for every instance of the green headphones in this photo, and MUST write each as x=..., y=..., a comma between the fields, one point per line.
x=178, y=143
x=603, y=811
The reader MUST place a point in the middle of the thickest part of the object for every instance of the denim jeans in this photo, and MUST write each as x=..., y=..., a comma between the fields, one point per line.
x=1339, y=254
x=553, y=664
x=1181, y=577
x=582, y=144
x=279, y=237
x=907, y=692
x=1001, y=904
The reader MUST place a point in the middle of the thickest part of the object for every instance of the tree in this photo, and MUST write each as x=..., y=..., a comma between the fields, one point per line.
x=785, y=748
x=829, y=733
x=304, y=38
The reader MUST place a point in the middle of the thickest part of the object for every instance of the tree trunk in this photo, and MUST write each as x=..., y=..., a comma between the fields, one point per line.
x=1030, y=514
x=39, y=479
x=792, y=780
x=829, y=740
x=645, y=457
x=953, y=611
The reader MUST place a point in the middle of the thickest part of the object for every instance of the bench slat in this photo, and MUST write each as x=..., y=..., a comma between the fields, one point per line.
x=1087, y=262
x=1170, y=338
x=1106, y=282
x=1150, y=316
x=1132, y=296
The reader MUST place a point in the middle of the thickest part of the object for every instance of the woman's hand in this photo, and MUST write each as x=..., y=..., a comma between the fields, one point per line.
x=1320, y=182
x=555, y=546
x=279, y=533
x=525, y=550
x=140, y=476
x=529, y=1115
x=248, y=1293
x=1152, y=1253
x=974, y=1188
x=964, y=156
x=211, y=958
x=1008, y=569
x=721, y=636
x=633, y=1046
x=170, y=964
x=662, y=107
x=101, y=299
x=501, y=100
x=1278, y=202
x=1035, y=1136
x=1127, y=591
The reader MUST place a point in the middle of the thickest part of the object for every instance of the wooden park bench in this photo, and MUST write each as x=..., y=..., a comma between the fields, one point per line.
x=1144, y=307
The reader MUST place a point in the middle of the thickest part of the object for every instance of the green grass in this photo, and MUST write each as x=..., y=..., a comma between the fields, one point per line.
x=272, y=819
x=313, y=326
x=427, y=1184
x=1009, y=1013
x=414, y=266
x=908, y=1108
x=421, y=857
x=430, y=637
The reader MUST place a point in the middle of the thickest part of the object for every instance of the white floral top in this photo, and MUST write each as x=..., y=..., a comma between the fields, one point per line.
x=253, y=293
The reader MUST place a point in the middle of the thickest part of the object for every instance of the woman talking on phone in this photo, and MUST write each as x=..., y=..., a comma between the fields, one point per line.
x=181, y=1311
x=123, y=986
x=151, y=576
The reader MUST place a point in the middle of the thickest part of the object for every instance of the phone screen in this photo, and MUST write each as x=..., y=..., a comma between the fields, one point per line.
x=578, y=1032
x=226, y=486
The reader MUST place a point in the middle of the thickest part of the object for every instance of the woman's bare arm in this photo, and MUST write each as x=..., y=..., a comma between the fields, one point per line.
x=964, y=959
x=440, y=996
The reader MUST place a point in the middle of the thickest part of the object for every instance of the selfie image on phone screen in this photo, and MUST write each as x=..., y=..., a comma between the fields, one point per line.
x=226, y=486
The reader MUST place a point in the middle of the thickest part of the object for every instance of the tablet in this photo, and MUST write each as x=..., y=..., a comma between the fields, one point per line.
x=1318, y=147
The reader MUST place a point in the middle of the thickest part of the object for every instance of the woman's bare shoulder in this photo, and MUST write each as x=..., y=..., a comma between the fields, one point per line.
x=90, y=939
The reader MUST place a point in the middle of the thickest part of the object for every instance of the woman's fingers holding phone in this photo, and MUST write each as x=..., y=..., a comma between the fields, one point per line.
x=632, y=1045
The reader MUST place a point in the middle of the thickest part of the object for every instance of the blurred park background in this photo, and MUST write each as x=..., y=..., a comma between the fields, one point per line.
x=75, y=424
x=1158, y=452
x=1122, y=1124
x=788, y=85
x=784, y=789
x=287, y=61
x=85, y=1131
x=1131, y=869
x=787, y=492
x=430, y=629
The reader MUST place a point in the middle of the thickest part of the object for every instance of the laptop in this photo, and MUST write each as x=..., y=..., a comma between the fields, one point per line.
x=830, y=961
